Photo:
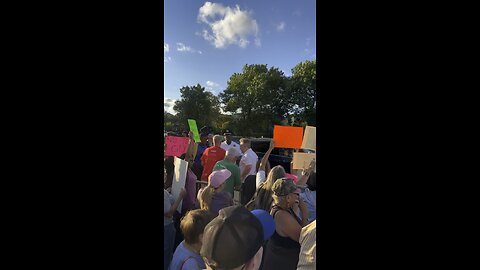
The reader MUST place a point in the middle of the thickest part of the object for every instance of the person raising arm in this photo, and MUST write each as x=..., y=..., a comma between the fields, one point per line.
x=261, y=169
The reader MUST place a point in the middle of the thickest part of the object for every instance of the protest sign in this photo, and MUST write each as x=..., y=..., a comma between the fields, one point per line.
x=193, y=128
x=310, y=138
x=176, y=146
x=179, y=177
x=302, y=160
x=287, y=136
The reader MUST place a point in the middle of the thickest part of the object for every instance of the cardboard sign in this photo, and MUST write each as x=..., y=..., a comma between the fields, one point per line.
x=310, y=138
x=192, y=124
x=176, y=146
x=302, y=160
x=287, y=136
x=179, y=177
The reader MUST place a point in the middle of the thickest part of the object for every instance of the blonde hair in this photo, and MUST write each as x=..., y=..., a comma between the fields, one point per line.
x=265, y=194
x=245, y=141
x=217, y=139
x=206, y=197
x=193, y=224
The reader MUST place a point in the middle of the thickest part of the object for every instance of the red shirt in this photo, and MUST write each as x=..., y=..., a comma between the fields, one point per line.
x=210, y=158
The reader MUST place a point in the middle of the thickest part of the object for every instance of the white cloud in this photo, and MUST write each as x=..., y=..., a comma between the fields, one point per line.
x=168, y=105
x=167, y=59
x=281, y=26
x=166, y=48
x=229, y=26
x=212, y=86
x=183, y=48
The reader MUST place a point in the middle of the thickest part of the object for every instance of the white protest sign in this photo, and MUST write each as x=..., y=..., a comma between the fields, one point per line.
x=310, y=138
x=302, y=160
x=179, y=177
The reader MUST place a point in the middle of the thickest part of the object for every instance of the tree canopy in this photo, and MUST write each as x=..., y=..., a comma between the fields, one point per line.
x=253, y=101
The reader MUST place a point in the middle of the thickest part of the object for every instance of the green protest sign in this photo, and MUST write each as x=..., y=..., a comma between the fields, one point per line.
x=193, y=128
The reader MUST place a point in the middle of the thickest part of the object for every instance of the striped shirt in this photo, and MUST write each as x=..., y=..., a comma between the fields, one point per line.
x=307, y=257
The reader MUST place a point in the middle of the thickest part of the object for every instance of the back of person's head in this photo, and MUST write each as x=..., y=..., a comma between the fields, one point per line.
x=264, y=198
x=215, y=180
x=234, y=239
x=231, y=154
x=312, y=181
x=193, y=224
x=217, y=140
x=275, y=173
x=245, y=142
x=169, y=164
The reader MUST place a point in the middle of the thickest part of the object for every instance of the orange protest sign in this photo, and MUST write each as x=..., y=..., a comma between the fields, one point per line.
x=287, y=136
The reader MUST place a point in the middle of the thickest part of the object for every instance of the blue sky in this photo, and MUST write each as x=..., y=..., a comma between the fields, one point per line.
x=206, y=42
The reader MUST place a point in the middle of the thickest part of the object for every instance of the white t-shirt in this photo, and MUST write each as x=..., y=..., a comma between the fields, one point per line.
x=249, y=158
x=233, y=144
x=260, y=177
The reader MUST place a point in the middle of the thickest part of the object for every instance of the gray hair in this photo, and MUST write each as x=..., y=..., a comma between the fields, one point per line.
x=232, y=153
x=217, y=139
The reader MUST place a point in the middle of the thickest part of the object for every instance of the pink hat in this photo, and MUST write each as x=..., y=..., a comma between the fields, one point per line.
x=217, y=178
x=291, y=176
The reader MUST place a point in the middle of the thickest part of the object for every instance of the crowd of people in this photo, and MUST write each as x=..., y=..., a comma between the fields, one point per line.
x=272, y=227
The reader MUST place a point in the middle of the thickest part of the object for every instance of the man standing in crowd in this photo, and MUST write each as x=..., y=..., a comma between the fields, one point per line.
x=211, y=156
x=228, y=143
x=248, y=163
x=201, y=147
x=229, y=163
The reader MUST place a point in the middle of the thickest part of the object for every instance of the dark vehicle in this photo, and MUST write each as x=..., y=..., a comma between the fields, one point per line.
x=278, y=156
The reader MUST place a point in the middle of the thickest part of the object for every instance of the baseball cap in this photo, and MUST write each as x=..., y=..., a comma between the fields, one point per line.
x=283, y=186
x=216, y=178
x=234, y=237
x=267, y=221
x=227, y=132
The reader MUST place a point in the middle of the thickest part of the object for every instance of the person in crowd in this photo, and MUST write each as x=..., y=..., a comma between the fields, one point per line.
x=309, y=195
x=264, y=167
x=228, y=143
x=229, y=163
x=169, y=207
x=211, y=156
x=187, y=255
x=212, y=197
x=307, y=260
x=190, y=182
x=211, y=141
x=200, y=148
x=233, y=240
x=263, y=198
x=249, y=159
x=168, y=179
x=283, y=248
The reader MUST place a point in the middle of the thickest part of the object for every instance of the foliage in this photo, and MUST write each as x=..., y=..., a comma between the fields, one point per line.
x=303, y=91
x=255, y=100
x=257, y=96
x=198, y=104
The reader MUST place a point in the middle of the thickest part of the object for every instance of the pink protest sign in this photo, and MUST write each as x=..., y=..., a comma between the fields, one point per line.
x=176, y=146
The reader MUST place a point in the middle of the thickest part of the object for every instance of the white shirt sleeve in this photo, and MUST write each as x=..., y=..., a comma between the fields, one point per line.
x=260, y=177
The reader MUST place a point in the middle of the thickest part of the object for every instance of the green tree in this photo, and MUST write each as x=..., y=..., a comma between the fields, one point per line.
x=302, y=91
x=198, y=104
x=258, y=97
